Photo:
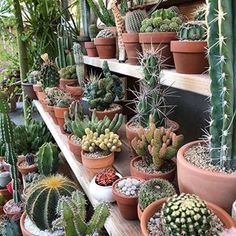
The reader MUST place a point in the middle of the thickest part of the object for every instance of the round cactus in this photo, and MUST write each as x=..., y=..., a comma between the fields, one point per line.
x=200, y=13
x=153, y=190
x=43, y=197
x=187, y=215
x=105, y=34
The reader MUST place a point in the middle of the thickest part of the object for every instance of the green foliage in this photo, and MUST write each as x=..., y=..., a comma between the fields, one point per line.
x=152, y=190
x=42, y=199
x=68, y=72
x=47, y=159
x=105, y=33
x=186, y=214
x=11, y=228
x=72, y=212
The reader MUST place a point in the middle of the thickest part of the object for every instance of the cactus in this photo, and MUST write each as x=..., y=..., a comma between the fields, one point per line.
x=193, y=30
x=85, y=15
x=106, y=177
x=64, y=101
x=79, y=62
x=105, y=33
x=42, y=199
x=93, y=31
x=72, y=212
x=186, y=215
x=34, y=76
x=47, y=159
x=68, y=72
x=154, y=189
x=200, y=13
x=30, y=159
x=156, y=145
x=52, y=94
x=10, y=228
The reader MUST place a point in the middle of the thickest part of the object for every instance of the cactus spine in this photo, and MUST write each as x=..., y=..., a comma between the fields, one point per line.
x=79, y=62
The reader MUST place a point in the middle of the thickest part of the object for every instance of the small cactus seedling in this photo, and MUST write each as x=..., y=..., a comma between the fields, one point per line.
x=106, y=177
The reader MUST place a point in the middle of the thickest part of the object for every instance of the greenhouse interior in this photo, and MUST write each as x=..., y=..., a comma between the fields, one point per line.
x=118, y=117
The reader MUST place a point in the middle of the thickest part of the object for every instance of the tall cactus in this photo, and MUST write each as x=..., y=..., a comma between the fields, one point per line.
x=222, y=59
x=85, y=16
x=79, y=62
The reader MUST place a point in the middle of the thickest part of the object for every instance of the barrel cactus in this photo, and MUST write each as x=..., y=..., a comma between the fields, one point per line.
x=186, y=215
x=200, y=13
x=42, y=199
x=105, y=34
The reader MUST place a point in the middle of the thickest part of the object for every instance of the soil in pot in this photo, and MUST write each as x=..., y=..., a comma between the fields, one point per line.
x=190, y=56
x=29, y=91
x=50, y=110
x=91, y=49
x=75, y=91
x=75, y=147
x=59, y=114
x=106, y=47
x=64, y=82
x=13, y=210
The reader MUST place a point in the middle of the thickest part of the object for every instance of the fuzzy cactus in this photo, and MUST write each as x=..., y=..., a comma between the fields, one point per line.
x=72, y=212
x=106, y=177
x=186, y=215
x=42, y=199
x=47, y=159
x=79, y=62
x=105, y=33
x=68, y=72
x=154, y=189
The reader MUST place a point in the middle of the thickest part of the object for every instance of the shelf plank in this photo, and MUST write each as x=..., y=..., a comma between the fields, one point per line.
x=115, y=225
x=199, y=84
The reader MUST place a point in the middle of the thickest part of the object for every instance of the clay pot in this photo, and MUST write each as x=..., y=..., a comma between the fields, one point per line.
x=139, y=211
x=29, y=91
x=75, y=148
x=64, y=82
x=143, y=175
x=37, y=88
x=91, y=49
x=95, y=165
x=109, y=113
x=75, y=91
x=82, y=39
x=157, y=205
x=41, y=96
x=50, y=110
x=159, y=41
x=25, y=170
x=126, y=204
x=59, y=114
x=234, y=211
x=106, y=47
x=206, y=184
x=132, y=47
x=190, y=56
x=44, y=104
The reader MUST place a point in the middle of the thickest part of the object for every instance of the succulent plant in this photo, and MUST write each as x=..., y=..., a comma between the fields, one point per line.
x=79, y=62
x=129, y=186
x=68, y=72
x=31, y=177
x=200, y=13
x=93, y=31
x=105, y=33
x=72, y=212
x=34, y=76
x=42, y=199
x=64, y=101
x=30, y=159
x=106, y=177
x=154, y=189
x=52, y=94
x=11, y=228
x=186, y=214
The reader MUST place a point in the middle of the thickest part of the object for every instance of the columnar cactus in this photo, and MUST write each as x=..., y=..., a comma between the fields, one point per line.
x=186, y=215
x=47, y=159
x=42, y=199
x=79, y=62
x=72, y=212
x=85, y=16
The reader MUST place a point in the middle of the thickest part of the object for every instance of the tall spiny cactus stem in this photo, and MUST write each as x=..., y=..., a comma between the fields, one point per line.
x=85, y=15
x=79, y=61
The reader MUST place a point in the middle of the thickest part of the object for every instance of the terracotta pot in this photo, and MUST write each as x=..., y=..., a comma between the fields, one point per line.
x=139, y=211
x=143, y=175
x=37, y=88
x=126, y=204
x=25, y=170
x=106, y=47
x=59, y=114
x=75, y=148
x=64, y=82
x=41, y=96
x=207, y=185
x=91, y=49
x=44, y=104
x=132, y=47
x=75, y=91
x=29, y=91
x=82, y=40
x=50, y=110
x=95, y=165
x=109, y=113
x=190, y=56
x=159, y=41
x=157, y=205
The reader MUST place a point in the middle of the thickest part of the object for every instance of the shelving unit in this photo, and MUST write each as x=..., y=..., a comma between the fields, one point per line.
x=199, y=84
x=116, y=225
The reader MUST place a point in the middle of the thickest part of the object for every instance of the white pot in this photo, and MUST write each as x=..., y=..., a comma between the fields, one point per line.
x=101, y=193
x=5, y=178
x=234, y=211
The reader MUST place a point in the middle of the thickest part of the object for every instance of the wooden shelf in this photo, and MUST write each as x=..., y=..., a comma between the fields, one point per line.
x=115, y=225
x=193, y=83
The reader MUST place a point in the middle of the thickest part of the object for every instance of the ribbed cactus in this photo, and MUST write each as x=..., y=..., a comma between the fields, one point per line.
x=79, y=62
x=186, y=215
x=47, y=159
x=42, y=199
x=72, y=212
x=10, y=228
x=85, y=16
x=200, y=13
x=222, y=60
x=93, y=31
x=105, y=33
x=193, y=30
x=34, y=76
x=68, y=72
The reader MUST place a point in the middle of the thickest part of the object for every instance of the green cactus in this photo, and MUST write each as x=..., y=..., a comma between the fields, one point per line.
x=200, y=13
x=186, y=215
x=34, y=76
x=79, y=62
x=105, y=33
x=152, y=190
x=68, y=72
x=42, y=199
x=72, y=212
x=11, y=228
x=52, y=94
x=93, y=31
x=193, y=30
x=64, y=101
x=47, y=159
x=85, y=15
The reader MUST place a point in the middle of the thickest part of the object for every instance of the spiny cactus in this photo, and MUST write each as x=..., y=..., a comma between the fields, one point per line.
x=47, y=159
x=72, y=212
x=85, y=16
x=193, y=30
x=34, y=76
x=68, y=72
x=43, y=197
x=154, y=189
x=64, y=101
x=106, y=177
x=93, y=31
x=200, y=13
x=30, y=159
x=52, y=94
x=185, y=215
x=105, y=33
x=11, y=228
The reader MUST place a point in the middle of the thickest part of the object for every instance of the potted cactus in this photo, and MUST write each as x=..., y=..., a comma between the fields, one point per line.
x=216, y=154
x=68, y=76
x=133, y=22
x=101, y=185
x=90, y=46
x=159, y=31
x=190, y=50
x=39, y=216
x=197, y=217
x=105, y=43
x=27, y=164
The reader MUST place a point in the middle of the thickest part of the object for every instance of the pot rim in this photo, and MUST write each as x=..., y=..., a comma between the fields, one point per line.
x=89, y=45
x=71, y=141
x=105, y=41
x=119, y=107
x=90, y=158
x=157, y=37
x=68, y=80
x=178, y=46
x=130, y=38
